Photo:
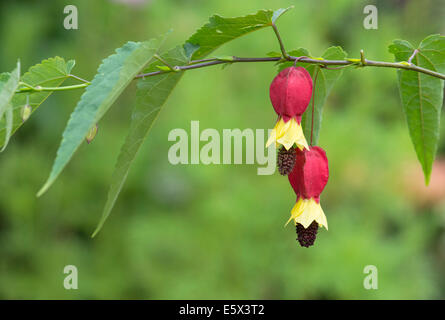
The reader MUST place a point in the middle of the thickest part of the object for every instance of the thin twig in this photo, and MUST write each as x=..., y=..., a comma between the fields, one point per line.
x=196, y=64
x=172, y=68
x=40, y=89
x=280, y=41
x=335, y=68
x=213, y=62
x=78, y=78
x=362, y=58
x=348, y=62
x=202, y=60
x=413, y=55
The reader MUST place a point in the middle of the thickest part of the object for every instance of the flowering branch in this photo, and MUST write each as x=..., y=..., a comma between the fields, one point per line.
x=362, y=62
x=202, y=63
x=322, y=62
x=197, y=64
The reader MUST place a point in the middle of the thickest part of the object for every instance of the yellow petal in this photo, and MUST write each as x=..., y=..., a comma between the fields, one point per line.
x=306, y=211
x=277, y=132
x=292, y=133
x=288, y=133
x=297, y=210
x=300, y=139
x=282, y=127
x=272, y=137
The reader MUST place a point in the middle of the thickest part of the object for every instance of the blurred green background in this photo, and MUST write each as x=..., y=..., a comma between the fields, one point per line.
x=216, y=231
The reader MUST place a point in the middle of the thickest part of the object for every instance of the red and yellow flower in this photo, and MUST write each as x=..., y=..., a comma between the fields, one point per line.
x=290, y=94
x=308, y=179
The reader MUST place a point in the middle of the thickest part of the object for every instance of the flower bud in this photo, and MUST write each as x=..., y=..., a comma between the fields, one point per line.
x=91, y=134
x=25, y=113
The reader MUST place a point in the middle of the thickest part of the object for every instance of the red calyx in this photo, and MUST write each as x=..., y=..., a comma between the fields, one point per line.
x=310, y=174
x=290, y=92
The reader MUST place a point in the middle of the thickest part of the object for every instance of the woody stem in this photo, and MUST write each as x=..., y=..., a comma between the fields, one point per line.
x=216, y=61
x=321, y=62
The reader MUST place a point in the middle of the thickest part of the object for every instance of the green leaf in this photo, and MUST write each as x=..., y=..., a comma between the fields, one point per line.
x=152, y=93
x=190, y=49
x=52, y=73
x=4, y=77
x=9, y=83
x=113, y=76
x=70, y=65
x=422, y=96
x=220, y=30
x=324, y=80
x=278, y=13
x=432, y=48
x=8, y=118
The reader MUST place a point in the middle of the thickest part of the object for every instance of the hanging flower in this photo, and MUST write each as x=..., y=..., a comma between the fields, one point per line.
x=290, y=94
x=308, y=179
